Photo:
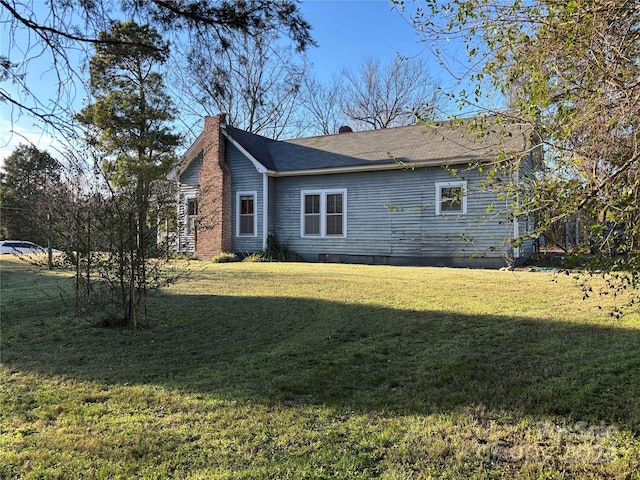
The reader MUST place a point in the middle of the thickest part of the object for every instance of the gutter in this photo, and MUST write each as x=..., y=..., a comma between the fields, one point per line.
x=377, y=167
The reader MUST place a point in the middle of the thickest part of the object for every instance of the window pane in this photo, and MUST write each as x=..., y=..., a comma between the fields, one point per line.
x=334, y=224
x=246, y=205
x=192, y=207
x=312, y=204
x=246, y=225
x=451, y=199
x=334, y=203
x=312, y=224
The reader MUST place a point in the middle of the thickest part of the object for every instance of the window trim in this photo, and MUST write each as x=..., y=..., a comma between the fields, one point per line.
x=463, y=198
x=239, y=195
x=323, y=212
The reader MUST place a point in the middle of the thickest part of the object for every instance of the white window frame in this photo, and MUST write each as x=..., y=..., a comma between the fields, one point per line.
x=323, y=212
x=456, y=184
x=239, y=195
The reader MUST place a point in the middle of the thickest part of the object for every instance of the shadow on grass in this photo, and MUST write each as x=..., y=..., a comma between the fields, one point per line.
x=303, y=351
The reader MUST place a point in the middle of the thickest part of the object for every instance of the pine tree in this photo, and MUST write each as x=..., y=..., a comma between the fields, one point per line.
x=128, y=121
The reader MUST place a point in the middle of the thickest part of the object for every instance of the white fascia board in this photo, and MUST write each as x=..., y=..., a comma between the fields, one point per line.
x=379, y=167
x=194, y=145
x=260, y=168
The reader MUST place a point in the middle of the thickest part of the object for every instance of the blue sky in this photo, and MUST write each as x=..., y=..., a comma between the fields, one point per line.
x=347, y=31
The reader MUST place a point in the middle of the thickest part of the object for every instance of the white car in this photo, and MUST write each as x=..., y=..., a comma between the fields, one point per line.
x=20, y=247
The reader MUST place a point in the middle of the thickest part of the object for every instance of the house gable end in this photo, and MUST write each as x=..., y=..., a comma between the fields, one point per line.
x=189, y=156
x=189, y=174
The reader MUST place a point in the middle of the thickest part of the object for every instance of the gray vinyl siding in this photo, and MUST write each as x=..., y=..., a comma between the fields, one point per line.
x=391, y=214
x=188, y=188
x=244, y=178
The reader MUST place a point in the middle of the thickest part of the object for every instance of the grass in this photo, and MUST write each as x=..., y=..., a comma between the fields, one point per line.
x=261, y=370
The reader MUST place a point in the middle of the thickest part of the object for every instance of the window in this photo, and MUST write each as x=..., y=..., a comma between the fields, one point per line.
x=246, y=214
x=451, y=198
x=323, y=213
x=192, y=215
x=192, y=207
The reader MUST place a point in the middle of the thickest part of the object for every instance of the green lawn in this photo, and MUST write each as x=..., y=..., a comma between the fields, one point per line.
x=257, y=370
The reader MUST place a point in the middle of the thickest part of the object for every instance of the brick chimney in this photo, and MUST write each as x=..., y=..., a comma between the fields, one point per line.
x=214, y=202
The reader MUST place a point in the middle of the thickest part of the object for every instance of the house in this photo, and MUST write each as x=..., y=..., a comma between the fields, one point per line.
x=378, y=197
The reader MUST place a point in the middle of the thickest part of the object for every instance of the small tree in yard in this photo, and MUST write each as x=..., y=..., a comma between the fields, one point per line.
x=127, y=123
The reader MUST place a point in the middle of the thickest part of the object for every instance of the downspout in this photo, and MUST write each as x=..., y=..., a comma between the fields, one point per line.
x=265, y=210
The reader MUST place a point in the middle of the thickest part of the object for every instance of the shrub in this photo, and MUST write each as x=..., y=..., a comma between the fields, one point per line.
x=225, y=258
x=254, y=257
x=278, y=253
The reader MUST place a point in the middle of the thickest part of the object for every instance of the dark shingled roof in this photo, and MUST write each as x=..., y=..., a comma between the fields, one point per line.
x=431, y=144
x=256, y=145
